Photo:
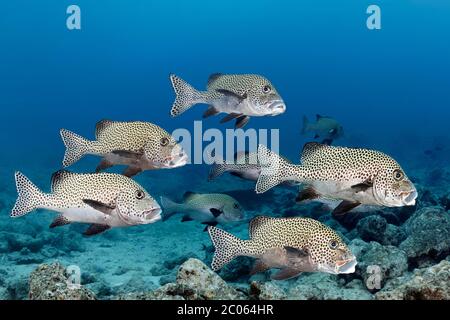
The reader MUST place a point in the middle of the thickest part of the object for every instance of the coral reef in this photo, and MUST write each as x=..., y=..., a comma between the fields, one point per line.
x=50, y=282
x=428, y=238
x=194, y=281
x=409, y=247
x=431, y=283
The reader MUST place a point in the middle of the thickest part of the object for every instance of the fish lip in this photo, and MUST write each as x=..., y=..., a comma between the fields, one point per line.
x=176, y=161
x=152, y=215
x=346, y=266
x=277, y=107
x=409, y=198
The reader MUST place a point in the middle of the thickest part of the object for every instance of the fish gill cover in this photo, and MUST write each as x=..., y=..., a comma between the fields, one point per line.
x=123, y=177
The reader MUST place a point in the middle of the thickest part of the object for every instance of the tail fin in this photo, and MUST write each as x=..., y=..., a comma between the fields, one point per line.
x=29, y=199
x=186, y=96
x=169, y=208
x=274, y=170
x=305, y=125
x=217, y=170
x=227, y=247
x=76, y=147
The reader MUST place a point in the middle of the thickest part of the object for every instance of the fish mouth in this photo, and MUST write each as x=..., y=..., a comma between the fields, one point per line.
x=277, y=107
x=152, y=215
x=176, y=161
x=346, y=266
x=409, y=198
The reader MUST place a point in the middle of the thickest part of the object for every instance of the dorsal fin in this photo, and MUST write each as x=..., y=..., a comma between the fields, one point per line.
x=58, y=178
x=214, y=77
x=256, y=225
x=310, y=152
x=318, y=117
x=102, y=125
x=188, y=195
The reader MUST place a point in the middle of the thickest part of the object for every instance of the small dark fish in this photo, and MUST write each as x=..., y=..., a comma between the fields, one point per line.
x=209, y=209
x=326, y=128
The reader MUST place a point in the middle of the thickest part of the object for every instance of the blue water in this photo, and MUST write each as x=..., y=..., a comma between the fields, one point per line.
x=389, y=88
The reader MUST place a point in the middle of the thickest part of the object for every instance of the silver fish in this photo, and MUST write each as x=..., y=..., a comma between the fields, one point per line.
x=244, y=166
x=240, y=96
x=208, y=209
x=293, y=245
x=354, y=176
x=139, y=145
x=104, y=200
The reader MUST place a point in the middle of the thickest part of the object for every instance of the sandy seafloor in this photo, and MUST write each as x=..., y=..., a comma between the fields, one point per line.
x=140, y=259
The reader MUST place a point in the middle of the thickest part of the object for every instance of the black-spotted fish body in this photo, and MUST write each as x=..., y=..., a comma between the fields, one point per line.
x=209, y=209
x=294, y=245
x=245, y=166
x=326, y=128
x=139, y=145
x=240, y=96
x=354, y=176
x=104, y=200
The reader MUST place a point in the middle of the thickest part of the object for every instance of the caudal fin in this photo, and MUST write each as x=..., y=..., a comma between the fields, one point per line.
x=76, y=147
x=226, y=245
x=186, y=96
x=29, y=196
x=169, y=208
x=305, y=125
x=274, y=170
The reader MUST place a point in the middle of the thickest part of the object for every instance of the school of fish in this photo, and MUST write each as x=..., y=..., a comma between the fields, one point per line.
x=344, y=178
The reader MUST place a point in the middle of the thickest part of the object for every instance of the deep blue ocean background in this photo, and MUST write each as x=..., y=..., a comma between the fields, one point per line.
x=389, y=88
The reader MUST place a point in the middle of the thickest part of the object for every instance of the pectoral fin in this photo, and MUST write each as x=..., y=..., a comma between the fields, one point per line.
x=186, y=219
x=307, y=194
x=131, y=171
x=128, y=154
x=230, y=117
x=299, y=259
x=211, y=111
x=236, y=174
x=229, y=93
x=241, y=121
x=258, y=267
x=285, y=274
x=96, y=229
x=344, y=207
x=103, y=165
x=104, y=208
x=216, y=212
x=59, y=222
x=363, y=186
x=292, y=252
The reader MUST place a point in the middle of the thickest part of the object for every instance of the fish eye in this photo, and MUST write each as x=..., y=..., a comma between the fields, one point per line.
x=333, y=244
x=398, y=175
x=236, y=206
x=140, y=194
x=164, y=141
x=267, y=89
